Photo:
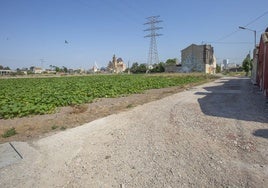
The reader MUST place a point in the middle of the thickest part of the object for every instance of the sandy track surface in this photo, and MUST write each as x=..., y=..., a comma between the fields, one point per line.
x=214, y=135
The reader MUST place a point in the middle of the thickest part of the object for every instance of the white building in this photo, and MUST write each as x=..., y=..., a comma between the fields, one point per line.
x=37, y=70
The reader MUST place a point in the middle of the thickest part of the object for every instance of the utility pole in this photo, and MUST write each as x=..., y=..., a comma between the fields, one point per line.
x=153, y=54
x=254, y=31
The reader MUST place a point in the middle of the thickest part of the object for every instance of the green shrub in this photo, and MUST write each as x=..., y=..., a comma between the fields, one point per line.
x=9, y=133
x=54, y=127
x=63, y=128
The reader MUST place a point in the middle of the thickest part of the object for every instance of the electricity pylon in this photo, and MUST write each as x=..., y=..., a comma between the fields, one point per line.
x=153, y=54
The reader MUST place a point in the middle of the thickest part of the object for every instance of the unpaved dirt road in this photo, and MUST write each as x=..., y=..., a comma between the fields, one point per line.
x=214, y=135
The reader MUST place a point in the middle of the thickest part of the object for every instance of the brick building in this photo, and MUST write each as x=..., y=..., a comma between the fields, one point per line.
x=262, y=63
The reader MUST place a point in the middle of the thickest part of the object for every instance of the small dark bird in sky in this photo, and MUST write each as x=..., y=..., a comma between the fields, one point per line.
x=66, y=42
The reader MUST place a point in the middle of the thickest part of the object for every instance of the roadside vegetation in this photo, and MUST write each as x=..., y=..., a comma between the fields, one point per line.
x=243, y=70
x=30, y=96
x=234, y=74
x=10, y=132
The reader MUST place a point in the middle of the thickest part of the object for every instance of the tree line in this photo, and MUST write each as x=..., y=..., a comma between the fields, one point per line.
x=4, y=68
x=137, y=68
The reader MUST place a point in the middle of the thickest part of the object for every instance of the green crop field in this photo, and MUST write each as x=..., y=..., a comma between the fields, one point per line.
x=28, y=96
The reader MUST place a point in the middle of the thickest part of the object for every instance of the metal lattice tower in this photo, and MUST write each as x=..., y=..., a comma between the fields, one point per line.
x=153, y=54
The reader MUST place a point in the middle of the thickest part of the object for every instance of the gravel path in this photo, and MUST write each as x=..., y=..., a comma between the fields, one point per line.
x=214, y=135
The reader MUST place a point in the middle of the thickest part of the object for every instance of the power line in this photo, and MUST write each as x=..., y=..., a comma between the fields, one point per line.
x=230, y=43
x=153, y=53
x=251, y=22
x=227, y=36
x=232, y=33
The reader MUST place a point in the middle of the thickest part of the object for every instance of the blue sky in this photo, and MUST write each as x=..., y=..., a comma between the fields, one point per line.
x=33, y=32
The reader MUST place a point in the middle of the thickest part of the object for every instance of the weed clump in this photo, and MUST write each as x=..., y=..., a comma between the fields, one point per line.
x=9, y=133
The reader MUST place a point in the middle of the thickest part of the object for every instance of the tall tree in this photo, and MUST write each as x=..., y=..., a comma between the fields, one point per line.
x=64, y=69
x=218, y=68
x=57, y=69
x=246, y=64
x=4, y=68
x=134, y=68
x=158, y=67
x=171, y=61
x=142, y=68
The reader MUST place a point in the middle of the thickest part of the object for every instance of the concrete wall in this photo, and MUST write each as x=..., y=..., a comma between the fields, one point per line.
x=198, y=58
x=254, y=66
x=172, y=68
x=192, y=59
